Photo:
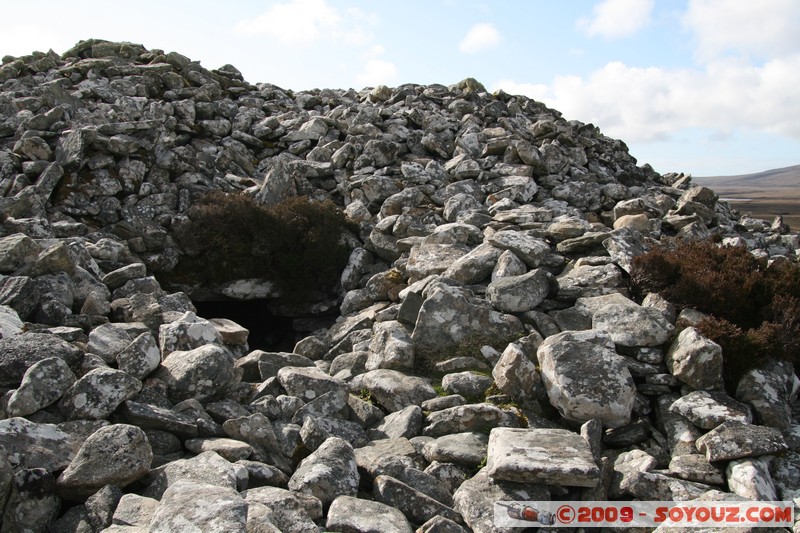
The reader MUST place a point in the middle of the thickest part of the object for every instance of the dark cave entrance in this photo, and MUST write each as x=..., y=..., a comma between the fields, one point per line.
x=268, y=331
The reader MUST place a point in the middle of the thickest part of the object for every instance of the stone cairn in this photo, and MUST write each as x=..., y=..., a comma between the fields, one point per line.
x=494, y=242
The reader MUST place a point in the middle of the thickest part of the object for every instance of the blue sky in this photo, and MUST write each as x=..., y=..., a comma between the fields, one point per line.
x=710, y=87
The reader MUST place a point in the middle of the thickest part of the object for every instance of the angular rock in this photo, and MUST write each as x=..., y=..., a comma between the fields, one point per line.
x=585, y=378
x=734, y=440
x=186, y=333
x=768, y=390
x=32, y=445
x=416, y=506
x=517, y=294
x=406, y=423
x=19, y=352
x=147, y=416
x=475, y=498
x=207, y=467
x=750, y=479
x=631, y=325
x=98, y=394
x=395, y=390
x=327, y=473
x=353, y=514
x=134, y=510
x=307, y=383
x=460, y=448
x=316, y=431
x=140, y=357
x=199, y=373
x=229, y=449
x=200, y=506
x=547, y=456
x=707, y=410
x=118, y=454
x=695, y=360
x=531, y=250
x=43, y=384
x=479, y=417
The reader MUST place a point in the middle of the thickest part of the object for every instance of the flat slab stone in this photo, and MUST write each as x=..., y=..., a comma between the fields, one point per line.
x=547, y=456
x=734, y=440
x=707, y=410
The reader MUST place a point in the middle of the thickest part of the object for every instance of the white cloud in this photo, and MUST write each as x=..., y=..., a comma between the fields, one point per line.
x=744, y=27
x=305, y=22
x=22, y=39
x=650, y=104
x=377, y=72
x=614, y=19
x=479, y=38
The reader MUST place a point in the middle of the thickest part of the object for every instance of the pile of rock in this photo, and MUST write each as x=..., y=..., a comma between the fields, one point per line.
x=487, y=348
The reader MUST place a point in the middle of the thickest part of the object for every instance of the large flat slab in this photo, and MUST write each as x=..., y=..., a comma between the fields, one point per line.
x=545, y=456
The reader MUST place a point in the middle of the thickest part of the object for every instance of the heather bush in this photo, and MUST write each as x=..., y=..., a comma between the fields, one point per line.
x=299, y=244
x=754, y=308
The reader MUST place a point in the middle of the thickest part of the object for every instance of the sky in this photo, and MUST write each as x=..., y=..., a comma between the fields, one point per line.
x=708, y=87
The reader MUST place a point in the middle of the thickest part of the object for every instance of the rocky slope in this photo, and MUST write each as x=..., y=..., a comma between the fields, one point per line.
x=487, y=348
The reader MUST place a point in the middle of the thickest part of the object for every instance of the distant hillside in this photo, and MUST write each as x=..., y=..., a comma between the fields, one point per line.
x=761, y=195
x=779, y=178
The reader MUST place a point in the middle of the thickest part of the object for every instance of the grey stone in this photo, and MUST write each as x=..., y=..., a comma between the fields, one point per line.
x=140, y=357
x=43, y=384
x=186, y=333
x=475, y=498
x=98, y=394
x=390, y=347
x=734, y=440
x=707, y=410
x=695, y=467
x=460, y=448
x=134, y=510
x=231, y=450
x=695, y=360
x=328, y=472
x=32, y=445
x=588, y=280
x=585, y=378
x=406, y=423
x=517, y=294
x=32, y=503
x=415, y=505
x=768, y=390
x=207, y=467
x=289, y=511
x=751, y=479
x=467, y=384
x=353, y=514
x=631, y=325
x=307, y=383
x=147, y=416
x=118, y=454
x=531, y=250
x=199, y=373
x=19, y=352
x=316, y=431
x=199, y=505
x=547, y=456
x=475, y=266
x=394, y=390
x=468, y=321
x=467, y=418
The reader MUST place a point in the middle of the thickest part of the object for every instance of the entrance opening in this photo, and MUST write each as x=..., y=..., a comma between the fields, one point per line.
x=268, y=331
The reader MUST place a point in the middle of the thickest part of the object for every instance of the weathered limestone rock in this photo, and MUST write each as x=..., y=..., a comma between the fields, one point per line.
x=415, y=505
x=768, y=391
x=707, y=410
x=467, y=418
x=585, y=378
x=199, y=373
x=201, y=505
x=207, y=467
x=353, y=514
x=307, y=383
x=631, y=325
x=750, y=479
x=394, y=390
x=734, y=440
x=98, y=394
x=546, y=456
x=118, y=454
x=695, y=360
x=517, y=294
x=31, y=445
x=43, y=384
x=327, y=473
x=451, y=317
x=19, y=352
